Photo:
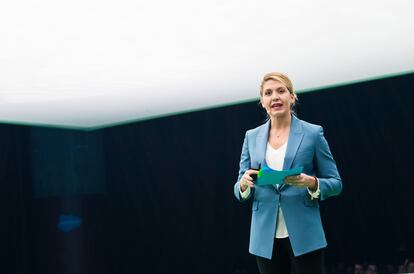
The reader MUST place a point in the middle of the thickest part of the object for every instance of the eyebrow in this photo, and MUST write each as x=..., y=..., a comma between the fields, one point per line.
x=279, y=88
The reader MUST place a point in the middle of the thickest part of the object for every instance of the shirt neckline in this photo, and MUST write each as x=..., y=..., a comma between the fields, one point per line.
x=276, y=149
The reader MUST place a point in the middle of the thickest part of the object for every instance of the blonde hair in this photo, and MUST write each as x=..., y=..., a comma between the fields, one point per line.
x=280, y=77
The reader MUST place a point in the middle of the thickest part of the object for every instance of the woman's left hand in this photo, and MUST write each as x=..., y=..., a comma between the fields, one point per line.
x=301, y=180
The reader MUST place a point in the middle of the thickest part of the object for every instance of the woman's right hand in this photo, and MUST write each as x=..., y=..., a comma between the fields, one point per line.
x=247, y=180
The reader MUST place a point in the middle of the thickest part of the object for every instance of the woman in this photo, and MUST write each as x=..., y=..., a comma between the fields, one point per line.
x=286, y=233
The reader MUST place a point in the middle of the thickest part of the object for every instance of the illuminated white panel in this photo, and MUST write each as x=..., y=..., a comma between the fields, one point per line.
x=88, y=63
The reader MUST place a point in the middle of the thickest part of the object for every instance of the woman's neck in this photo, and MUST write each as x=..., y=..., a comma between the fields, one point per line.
x=281, y=122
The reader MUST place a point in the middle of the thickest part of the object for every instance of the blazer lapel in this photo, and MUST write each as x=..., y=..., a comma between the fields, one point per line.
x=261, y=143
x=294, y=140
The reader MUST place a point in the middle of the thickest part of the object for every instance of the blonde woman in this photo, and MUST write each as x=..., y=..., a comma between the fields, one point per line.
x=286, y=233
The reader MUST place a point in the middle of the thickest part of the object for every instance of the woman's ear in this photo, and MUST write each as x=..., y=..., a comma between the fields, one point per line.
x=261, y=102
x=292, y=98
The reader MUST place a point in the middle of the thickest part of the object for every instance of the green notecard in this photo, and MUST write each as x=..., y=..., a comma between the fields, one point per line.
x=268, y=176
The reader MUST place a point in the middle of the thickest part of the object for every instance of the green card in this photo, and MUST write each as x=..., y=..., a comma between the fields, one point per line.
x=268, y=176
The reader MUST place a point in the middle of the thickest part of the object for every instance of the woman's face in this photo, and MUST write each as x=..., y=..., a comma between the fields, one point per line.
x=276, y=99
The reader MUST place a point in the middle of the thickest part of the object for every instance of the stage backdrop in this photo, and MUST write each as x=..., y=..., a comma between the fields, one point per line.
x=157, y=196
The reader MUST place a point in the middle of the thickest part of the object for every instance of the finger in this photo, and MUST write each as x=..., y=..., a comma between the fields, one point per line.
x=291, y=179
x=252, y=171
x=295, y=178
x=244, y=183
x=294, y=182
x=247, y=177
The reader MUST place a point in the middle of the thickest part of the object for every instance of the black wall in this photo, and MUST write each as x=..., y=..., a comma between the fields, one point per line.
x=158, y=197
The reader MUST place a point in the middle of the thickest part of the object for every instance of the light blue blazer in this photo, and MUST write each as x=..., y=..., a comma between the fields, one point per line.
x=306, y=147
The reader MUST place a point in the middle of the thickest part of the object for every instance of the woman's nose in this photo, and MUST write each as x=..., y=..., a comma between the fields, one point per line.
x=275, y=96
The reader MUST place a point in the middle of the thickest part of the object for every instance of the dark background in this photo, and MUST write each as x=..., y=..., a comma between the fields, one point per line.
x=157, y=196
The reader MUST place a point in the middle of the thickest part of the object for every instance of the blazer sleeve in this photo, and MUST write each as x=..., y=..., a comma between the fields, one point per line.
x=330, y=182
x=244, y=165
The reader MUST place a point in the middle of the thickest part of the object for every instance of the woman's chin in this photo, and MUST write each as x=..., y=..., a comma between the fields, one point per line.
x=279, y=114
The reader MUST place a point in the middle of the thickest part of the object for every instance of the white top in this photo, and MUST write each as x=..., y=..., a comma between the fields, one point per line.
x=275, y=159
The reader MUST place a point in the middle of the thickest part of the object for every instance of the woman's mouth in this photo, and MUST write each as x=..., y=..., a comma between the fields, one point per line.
x=276, y=106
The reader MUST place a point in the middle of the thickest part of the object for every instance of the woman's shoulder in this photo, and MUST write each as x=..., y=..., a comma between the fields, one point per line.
x=254, y=131
x=310, y=127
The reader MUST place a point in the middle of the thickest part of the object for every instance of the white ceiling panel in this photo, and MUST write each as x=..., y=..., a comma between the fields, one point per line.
x=94, y=63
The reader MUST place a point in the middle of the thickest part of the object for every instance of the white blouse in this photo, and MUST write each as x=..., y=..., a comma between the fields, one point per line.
x=275, y=159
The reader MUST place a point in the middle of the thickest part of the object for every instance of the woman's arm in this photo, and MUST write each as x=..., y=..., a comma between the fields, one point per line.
x=330, y=183
x=244, y=166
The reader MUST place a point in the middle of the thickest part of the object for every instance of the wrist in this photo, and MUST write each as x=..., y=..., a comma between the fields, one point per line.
x=314, y=185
